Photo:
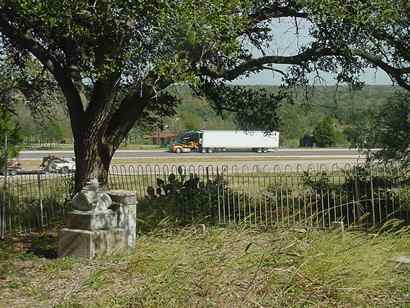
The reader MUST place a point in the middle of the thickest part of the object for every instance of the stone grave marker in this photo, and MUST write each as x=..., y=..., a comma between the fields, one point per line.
x=102, y=223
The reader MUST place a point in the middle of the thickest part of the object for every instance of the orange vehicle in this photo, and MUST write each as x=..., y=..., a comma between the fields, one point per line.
x=188, y=142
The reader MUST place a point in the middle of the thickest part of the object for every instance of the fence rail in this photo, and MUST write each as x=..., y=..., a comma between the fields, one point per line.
x=29, y=202
x=315, y=196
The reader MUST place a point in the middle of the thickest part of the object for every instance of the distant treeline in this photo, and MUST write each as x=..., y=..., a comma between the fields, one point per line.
x=346, y=109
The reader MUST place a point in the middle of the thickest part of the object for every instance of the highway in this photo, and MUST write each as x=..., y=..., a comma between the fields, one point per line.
x=279, y=154
x=124, y=160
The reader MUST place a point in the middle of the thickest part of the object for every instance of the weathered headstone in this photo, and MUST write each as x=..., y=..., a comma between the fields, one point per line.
x=102, y=223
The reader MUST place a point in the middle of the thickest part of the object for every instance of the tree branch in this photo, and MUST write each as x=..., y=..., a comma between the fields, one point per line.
x=25, y=41
x=132, y=106
x=278, y=11
x=257, y=64
x=400, y=44
x=101, y=101
x=396, y=74
x=310, y=54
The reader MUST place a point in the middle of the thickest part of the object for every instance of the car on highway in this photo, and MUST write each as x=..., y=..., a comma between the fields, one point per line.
x=54, y=164
x=13, y=167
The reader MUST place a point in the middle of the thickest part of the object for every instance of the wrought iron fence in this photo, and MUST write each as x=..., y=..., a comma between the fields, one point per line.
x=31, y=201
x=309, y=195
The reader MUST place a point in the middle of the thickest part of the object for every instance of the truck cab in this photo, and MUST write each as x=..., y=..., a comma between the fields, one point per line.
x=187, y=142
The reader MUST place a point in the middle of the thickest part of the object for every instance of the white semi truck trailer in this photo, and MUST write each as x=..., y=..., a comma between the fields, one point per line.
x=208, y=141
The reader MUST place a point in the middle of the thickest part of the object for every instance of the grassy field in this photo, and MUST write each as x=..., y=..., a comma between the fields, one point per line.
x=213, y=267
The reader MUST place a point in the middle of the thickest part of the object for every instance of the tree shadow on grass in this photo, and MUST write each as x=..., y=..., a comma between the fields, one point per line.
x=44, y=246
x=41, y=244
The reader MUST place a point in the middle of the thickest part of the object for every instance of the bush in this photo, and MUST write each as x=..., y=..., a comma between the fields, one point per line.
x=364, y=195
x=325, y=134
x=182, y=199
x=392, y=130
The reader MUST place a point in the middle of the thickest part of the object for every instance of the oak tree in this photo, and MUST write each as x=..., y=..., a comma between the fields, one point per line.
x=113, y=60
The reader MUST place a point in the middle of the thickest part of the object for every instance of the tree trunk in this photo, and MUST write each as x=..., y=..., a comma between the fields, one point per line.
x=96, y=141
x=93, y=159
x=94, y=156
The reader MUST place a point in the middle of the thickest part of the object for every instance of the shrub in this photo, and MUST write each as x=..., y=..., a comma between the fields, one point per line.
x=364, y=195
x=182, y=199
x=325, y=134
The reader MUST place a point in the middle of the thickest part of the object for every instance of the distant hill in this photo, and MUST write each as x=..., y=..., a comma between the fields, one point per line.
x=345, y=105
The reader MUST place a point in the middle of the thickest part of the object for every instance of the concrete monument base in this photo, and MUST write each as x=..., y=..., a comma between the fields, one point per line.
x=126, y=202
x=90, y=244
x=89, y=220
x=102, y=223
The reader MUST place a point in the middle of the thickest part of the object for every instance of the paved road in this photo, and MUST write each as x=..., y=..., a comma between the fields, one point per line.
x=281, y=153
x=287, y=159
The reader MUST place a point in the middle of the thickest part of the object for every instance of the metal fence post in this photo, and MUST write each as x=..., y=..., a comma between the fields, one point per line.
x=3, y=214
x=40, y=196
x=4, y=192
x=356, y=201
x=372, y=197
x=6, y=158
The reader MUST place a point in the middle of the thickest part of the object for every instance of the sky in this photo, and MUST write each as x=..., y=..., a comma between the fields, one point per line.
x=285, y=42
x=371, y=77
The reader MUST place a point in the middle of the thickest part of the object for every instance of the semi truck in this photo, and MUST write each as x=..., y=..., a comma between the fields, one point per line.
x=208, y=141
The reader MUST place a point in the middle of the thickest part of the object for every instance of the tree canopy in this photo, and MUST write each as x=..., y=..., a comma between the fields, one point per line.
x=373, y=33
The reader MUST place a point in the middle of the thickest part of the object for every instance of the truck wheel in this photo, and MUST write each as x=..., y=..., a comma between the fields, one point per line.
x=178, y=150
x=65, y=170
x=210, y=150
x=12, y=172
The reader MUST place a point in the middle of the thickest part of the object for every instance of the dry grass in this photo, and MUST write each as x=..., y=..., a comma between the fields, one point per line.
x=32, y=164
x=214, y=267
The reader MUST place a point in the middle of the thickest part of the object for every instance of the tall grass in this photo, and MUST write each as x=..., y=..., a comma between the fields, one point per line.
x=213, y=267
